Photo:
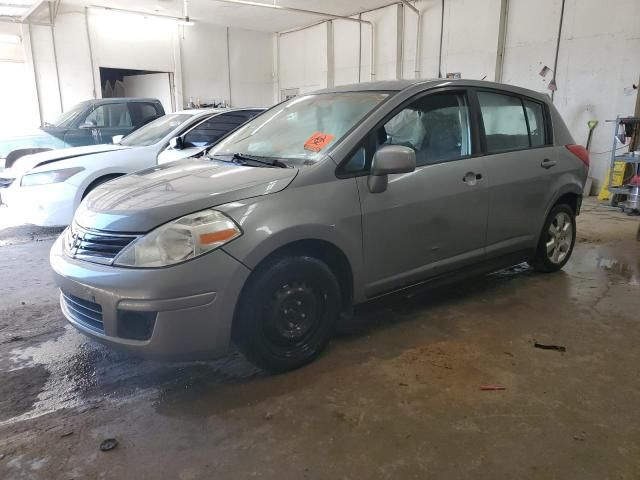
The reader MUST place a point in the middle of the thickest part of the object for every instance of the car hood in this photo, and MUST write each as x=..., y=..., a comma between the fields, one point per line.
x=29, y=162
x=141, y=201
x=29, y=139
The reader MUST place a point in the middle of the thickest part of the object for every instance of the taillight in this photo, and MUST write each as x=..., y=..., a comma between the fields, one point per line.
x=580, y=152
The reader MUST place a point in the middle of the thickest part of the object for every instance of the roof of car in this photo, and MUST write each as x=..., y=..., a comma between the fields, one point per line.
x=399, y=85
x=124, y=99
x=202, y=112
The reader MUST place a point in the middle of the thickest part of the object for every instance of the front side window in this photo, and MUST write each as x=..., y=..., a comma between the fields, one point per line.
x=299, y=131
x=505, y=126
x=435, y=126
x=155, y=131
x=110, y=115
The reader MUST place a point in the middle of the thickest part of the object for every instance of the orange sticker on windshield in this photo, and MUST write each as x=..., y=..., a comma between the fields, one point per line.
x=318, y=141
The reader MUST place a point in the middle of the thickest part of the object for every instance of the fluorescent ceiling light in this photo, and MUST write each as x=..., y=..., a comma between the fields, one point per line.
x=12, y=10
x=15, y=8
x=8, y=38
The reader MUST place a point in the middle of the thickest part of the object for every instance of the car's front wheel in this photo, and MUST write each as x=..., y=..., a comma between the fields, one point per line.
x=287, y=312
x=557, y=240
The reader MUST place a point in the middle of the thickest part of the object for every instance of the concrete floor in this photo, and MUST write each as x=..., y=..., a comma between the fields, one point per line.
x=400, y=399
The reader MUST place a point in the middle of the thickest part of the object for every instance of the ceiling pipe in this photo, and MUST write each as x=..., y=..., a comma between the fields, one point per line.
x=441, y=36
x=137, y=12
x=372, y=42
x=271, y=6
x=418, y=36
x=329, y=16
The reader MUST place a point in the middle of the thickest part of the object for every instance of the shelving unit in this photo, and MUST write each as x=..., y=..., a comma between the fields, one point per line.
x=631, y=125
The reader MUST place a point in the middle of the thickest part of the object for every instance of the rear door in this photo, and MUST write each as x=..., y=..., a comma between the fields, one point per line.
x=433, y=219
x=520, y=159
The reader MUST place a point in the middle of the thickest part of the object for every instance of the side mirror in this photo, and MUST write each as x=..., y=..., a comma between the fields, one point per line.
x=116, y=139
x=176, y=143
x=89, y=124
x=388, y=160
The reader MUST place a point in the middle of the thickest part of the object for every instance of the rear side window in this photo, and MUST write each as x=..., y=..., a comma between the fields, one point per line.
x=505, y=125
x=213, y=129
x=146, y=112
x=535, y=117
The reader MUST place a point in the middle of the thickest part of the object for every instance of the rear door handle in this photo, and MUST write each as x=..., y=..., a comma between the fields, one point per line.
x=471, y=178
x=546, y=163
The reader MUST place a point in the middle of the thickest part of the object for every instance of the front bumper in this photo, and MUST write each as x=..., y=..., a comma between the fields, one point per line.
x=50, y=205
x=192, y=303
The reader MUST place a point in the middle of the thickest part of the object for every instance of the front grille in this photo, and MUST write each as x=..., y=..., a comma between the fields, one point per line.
x=84, y=312
x=95, y=246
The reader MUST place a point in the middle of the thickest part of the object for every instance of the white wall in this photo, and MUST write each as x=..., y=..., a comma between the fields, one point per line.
x=156, y=85
x=205, y=66
x=197, y=56
x=74, y=62
x=204, y=63
x=252, y=76
x=598, y=54
x=303, y=59
x=17, y=88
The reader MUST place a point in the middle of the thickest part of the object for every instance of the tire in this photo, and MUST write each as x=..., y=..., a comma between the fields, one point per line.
x=97, y=182
x=287, y=313
x=557, y=240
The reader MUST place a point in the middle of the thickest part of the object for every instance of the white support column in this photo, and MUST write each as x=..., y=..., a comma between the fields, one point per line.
x=331, y=78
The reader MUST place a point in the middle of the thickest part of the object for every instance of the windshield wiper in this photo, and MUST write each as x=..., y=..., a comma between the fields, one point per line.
x=271, y=162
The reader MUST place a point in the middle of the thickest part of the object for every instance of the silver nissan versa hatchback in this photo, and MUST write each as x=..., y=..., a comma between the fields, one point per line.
x=322, y=202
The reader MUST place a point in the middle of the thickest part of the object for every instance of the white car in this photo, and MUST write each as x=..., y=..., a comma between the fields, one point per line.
x=46, y=188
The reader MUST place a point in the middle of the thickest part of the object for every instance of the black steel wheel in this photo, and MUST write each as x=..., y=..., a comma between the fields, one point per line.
x=287, y=313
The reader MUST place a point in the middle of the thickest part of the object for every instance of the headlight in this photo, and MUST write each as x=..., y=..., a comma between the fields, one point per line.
x=180, y=240
x=52, y=176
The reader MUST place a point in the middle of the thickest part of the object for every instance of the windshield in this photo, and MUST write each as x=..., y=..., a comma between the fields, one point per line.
x=155, y=131
x=300, y=130
x=66, y=119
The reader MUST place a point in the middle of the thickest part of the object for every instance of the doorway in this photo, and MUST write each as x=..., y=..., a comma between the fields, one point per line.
x=123, y=82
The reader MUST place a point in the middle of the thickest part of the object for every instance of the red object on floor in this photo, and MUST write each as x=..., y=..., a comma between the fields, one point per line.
x=492, y=387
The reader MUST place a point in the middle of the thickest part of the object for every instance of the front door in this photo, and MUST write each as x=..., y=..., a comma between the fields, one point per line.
x=101, y=125
x=434, y=219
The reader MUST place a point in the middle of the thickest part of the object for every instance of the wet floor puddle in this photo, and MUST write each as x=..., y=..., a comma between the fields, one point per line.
x=70, y=371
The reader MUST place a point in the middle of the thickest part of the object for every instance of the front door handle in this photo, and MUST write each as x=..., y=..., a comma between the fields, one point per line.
x=471, y=178
x=546, y=163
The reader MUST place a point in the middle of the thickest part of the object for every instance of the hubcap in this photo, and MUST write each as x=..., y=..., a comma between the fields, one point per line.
x=296, y=309
x=560, y=237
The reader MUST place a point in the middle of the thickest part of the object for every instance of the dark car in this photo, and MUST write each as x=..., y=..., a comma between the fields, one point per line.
x=89, y=122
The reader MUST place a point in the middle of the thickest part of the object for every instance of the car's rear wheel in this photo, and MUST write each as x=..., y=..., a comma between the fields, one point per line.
x=557, y=240
x=287, y=313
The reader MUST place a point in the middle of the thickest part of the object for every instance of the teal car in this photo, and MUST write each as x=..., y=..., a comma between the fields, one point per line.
x=90, y=122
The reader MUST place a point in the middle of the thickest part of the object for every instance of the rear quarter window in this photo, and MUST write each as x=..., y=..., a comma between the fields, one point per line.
x=537, y=123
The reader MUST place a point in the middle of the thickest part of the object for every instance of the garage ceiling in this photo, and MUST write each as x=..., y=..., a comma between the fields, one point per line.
x=15, y=8
x=242, y=16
